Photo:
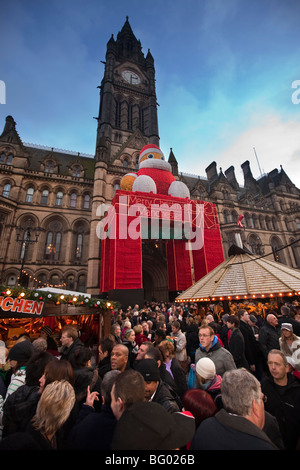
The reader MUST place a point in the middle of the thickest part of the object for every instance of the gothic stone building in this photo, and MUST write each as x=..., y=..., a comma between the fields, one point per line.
x=49, y=198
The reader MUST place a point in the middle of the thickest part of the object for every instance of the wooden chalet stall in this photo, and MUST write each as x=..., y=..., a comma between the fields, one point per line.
x=246, y=280
x=24, y=312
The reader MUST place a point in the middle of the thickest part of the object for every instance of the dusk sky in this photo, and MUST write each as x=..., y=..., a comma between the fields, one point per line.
x=225, y=71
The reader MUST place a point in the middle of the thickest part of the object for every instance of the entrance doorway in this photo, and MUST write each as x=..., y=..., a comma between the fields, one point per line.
x=155, y=275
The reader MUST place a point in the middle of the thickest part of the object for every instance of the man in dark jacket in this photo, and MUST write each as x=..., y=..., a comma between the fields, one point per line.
x=239, y=425
x=95, y=430
x=155, y=389
x=282, y=391
x=70, y=342
x=252, y=348
x=269, y=335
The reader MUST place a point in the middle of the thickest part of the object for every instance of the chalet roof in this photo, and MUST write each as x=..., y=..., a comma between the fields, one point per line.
x=244, y=275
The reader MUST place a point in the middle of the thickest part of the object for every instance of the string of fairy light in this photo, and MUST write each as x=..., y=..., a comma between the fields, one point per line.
x=57, y=299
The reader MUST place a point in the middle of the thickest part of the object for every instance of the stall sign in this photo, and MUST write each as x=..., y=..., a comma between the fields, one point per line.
x=16, y=307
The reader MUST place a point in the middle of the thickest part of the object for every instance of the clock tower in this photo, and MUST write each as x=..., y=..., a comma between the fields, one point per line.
x=127, y=96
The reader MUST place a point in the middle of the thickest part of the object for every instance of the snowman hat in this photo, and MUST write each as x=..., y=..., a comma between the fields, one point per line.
x=148, y=149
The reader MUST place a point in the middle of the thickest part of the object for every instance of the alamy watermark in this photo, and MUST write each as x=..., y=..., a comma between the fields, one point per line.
x=152, y=221
x=296, y=94
x=2, y=92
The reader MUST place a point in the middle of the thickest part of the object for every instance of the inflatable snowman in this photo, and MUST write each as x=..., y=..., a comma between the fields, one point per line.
x=154, y=175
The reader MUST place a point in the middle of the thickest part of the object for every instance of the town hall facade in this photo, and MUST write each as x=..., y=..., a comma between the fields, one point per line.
x=49, y=198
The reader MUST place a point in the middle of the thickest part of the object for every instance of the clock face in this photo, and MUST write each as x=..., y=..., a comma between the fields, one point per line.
x=131, y=77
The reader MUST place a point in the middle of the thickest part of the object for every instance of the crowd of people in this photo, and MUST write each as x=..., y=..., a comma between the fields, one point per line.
x=166, y=377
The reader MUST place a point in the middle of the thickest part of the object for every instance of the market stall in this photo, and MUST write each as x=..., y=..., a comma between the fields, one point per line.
x=245, y=279
x=24, y=312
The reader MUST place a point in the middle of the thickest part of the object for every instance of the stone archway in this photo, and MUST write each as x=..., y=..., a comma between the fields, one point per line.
x=155, y=275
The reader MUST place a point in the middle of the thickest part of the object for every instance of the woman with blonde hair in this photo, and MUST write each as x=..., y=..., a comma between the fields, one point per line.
x=53, y=410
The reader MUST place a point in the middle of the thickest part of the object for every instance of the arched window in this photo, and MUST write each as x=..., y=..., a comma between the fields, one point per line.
x=86, y=201
x=256, y=245
x=276, y=245
x=261, y=222
x=79, y=246
x=45, y=195
x=81, y=287
x=9, y=159
x=70, y=282
x=225, y=216
x=116, y=187
x=268, y=224
x=29, y=195
x=234, y=216
x=42, y=280
x=6, y=190
x=49, y=167
x=53, y=241
x=76, y=171
x=254, y=221
x=11, y=280
x=73, y=199
x=2, y=157
x=59, y=198
x=55, y=280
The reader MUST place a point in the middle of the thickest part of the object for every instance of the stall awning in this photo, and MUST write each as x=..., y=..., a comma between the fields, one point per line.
x=244, y=276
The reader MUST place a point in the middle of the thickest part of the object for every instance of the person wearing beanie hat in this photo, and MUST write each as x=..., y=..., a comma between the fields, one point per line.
x=20, y=352
x=206, y=369
x=208, y=380
x=155, y=389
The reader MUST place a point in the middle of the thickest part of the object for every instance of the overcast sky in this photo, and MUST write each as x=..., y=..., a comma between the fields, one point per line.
x=224, y=69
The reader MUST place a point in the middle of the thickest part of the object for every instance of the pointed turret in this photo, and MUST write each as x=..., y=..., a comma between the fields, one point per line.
x=128, y=45
x=173, y=162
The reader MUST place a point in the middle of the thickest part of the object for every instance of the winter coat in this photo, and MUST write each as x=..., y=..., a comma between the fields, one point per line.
x=84, y=377
x=132, y=351
x=180, y=350
x=192, y=341
x=236, y=346
x=221, y=357
x=67, y=352
x=19, y=408
x=284, y=403
x=104, y=366
x=252, y=349
x=268, y=338
x=230, y=432
x=166, y=397
x=293, y=351
x=95, y=431
x=179, y=377
x=140, y=339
